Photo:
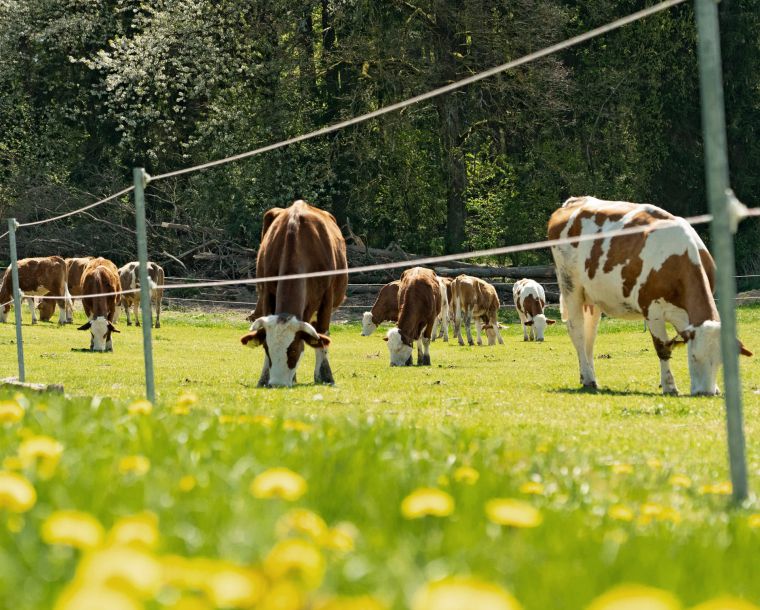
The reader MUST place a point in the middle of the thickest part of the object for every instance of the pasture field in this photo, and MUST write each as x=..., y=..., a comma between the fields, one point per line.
x=490, y=470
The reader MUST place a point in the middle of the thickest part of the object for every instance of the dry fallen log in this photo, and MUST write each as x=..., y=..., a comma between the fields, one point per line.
x=35, y=387
x=535, y=272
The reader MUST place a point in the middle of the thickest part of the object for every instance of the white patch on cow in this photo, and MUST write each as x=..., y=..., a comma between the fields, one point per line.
x=99, y=332
x=704, y=358
x=539, y=326
x=400, y=352
x=368, y=326
x=442, y=321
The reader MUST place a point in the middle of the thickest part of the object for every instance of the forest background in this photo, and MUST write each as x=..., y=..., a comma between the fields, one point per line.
x=90, y=89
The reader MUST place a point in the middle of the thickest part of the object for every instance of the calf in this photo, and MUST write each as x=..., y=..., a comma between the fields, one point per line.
x=419, y=300
x=100, y=277
x=41, y=276
x=298, y=239
x=530, y=300
x=385, y=309
x=475, y=300
x=129, y=276
x=74, y=269
x=663, y=274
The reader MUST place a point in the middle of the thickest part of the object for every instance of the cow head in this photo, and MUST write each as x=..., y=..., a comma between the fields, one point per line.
x=539, y=324
x=704, y=352
x=400, y=348
x=4, y=312
x=368, y=326
x=100, y=334
x=283, y=337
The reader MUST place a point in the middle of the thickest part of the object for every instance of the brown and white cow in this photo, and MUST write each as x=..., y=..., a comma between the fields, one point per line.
x=664, y=274
x=74, y=269
x=100, y=277
x=129, y=276
x=419, y=299
x=298, y=239
x=475, y=300
x=530, y=300
x=385, y=309
x=40, y=276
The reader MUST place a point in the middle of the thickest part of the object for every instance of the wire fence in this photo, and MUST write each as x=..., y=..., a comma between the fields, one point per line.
x=706, y=13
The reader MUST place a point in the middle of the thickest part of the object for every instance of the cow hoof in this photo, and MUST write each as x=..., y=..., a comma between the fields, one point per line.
x=671, y=392
x=470, y=343
x=592, y=387
x=158, y=324
x=129, y=323
x=526, y=339
x=324, y=374
x=425, y=361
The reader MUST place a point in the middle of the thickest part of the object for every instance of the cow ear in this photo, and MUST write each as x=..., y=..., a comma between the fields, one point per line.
x=549, y=321
x=743, y=350
x=322, y=341
x=529, y=323
x=113, y=329
x=255, y=338
x=85, y=326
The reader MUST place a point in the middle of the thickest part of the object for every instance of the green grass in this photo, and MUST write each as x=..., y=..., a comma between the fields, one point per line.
x=512, y=412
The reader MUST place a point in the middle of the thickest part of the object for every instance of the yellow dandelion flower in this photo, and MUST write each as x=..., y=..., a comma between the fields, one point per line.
x=443, y=480
x=463, y=593
x=467, y=475
x=125, y=568
x=719, y=489
x=190, y=602
x=283, y=595
x=16, y=493
x=187, y=483
x=635, y=597
x=10, y=412
x=262, y=420
x=41, y=406
x=226, y=419
x=680, y=480
x=140, y=529
x=532, y=488
x=296, y=426
x=753, y=521
x=278, y=483
x=341, y=538
x=187, y=399
x=72, y=528
x=650, y=509
x=94, y=597
x=654, y=463
x=140, y=407
x=134, y=464
x=296, y=558
x=183, y=573
x=12, y=462
x=427, y=501
x=301, y=521
x=620, y=513
x=42, y=453
x=232, y=586
x=364, y=602
x=514, y=513
x=619, y=468
x=670, y=514
x=726, y=603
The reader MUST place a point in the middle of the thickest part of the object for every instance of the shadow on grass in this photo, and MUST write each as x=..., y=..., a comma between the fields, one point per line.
x=606, y=392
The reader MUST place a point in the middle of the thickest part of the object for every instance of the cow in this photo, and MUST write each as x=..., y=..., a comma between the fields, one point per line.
x=100, y=277
x=74, y=268
x=40, y=276
x=442, y=323
x=129, y=276
x=663, y=273
x=419, y=299
x=530, y=299
x=475, y=300
x=385, y=309
x=297, y=239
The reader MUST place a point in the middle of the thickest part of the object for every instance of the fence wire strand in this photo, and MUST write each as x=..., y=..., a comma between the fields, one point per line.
x=78, y=211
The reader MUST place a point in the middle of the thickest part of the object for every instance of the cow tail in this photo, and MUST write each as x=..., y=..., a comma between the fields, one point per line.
x=563, y=308
x=67, y=295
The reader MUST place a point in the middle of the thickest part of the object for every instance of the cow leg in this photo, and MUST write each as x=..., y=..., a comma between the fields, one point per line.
x=264, y=378
x=62, y=317
x=423, y=358
x=443, y=331
x=664, y=349
x=478, y=329
x=458, y=323
x=495, y=323
x=436, y=326
x=30, y=302
x=322, y=370
x=158, y=312
x=523, y=320
x=576, y=327
x=136, y=307
x=125, y=305
x=467, y=324
x=591, y=317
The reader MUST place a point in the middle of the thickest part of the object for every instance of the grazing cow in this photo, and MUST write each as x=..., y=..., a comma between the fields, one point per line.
x=129, y=276
x=74, y=269
x=100, y=276
x=42, y=276
x=298, y=239
x=385, y=309
x=530, y=300
x=442, y=323
x=475, y=300
x=419, y=299
x=663, y=273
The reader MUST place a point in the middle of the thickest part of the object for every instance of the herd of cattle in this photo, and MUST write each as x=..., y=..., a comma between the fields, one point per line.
x=660, y=270
x=95, y=280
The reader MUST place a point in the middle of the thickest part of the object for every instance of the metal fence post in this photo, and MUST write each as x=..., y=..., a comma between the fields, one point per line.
x=12, y=224
x=141, y=181
x=717, y=178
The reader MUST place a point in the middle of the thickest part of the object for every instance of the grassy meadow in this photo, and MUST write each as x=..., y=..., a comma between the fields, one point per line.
x=488, y=477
